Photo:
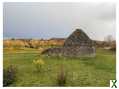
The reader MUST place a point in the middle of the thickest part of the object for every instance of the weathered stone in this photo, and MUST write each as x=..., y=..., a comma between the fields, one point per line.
x=78, y=44
x=77, y=38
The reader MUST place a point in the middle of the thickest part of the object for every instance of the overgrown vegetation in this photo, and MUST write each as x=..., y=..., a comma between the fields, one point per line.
x=38, y=64
x=9, y=75
x=62, y=76
x=97, y=71
x=32, y=43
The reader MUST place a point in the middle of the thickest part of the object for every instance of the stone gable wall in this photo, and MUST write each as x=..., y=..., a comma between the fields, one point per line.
x=77, y=44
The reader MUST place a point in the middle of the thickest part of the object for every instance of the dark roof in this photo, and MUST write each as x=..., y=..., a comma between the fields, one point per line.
x=77, y=38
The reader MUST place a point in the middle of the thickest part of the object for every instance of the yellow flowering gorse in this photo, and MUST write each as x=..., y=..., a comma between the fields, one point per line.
x=39, y=61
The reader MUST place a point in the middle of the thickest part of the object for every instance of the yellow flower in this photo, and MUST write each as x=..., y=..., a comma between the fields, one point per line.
x=34, y=61
x=39, y=61
x=38, y=64
x=42, y=62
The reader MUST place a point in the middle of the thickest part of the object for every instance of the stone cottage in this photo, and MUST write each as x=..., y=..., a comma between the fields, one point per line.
x=78, y=44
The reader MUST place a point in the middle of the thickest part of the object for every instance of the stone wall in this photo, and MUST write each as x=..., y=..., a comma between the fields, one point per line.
x=71, y=51
x=78, y=44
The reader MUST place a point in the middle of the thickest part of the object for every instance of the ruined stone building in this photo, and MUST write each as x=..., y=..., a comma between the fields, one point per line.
x=78, y=44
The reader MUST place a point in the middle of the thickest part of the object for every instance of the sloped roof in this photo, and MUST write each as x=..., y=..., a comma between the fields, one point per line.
x=77, y=38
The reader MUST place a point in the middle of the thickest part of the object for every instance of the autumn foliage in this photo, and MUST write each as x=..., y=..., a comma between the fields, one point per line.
x=32, y=43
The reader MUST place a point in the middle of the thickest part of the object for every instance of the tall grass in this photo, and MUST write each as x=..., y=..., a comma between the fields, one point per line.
x=61, y=77
x=9, y=75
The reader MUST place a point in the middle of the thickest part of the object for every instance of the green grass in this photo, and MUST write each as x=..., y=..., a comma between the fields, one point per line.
x=97, y=71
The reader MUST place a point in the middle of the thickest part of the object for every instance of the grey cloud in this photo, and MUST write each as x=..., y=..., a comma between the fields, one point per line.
x=46, y=20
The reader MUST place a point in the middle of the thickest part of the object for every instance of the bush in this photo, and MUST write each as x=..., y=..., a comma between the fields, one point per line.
x=113, y=49
x=113, y=46
x=9, y=75
x=38, y=64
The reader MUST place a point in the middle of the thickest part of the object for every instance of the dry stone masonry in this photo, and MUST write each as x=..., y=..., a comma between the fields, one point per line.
x=78, y=44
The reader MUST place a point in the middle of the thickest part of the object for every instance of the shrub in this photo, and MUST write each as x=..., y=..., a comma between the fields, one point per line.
x=113, y=46
x=61, y=77
x=38, y=64
x=9, y=75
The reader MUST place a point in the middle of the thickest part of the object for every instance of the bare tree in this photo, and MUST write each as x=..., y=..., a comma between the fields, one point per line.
x=109, y=38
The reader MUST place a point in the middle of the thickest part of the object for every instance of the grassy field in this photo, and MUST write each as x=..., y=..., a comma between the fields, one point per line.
x=97, y=71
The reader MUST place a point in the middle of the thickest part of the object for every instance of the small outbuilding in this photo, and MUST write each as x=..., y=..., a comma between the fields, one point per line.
x=78, y=44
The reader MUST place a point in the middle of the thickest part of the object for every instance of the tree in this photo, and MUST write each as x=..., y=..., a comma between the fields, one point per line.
x=109, y=38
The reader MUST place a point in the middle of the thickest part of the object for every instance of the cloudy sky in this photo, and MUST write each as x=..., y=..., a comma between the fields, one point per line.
x=59, y=20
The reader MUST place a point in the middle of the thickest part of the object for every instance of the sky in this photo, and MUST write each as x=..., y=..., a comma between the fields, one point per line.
x=58, y=20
